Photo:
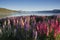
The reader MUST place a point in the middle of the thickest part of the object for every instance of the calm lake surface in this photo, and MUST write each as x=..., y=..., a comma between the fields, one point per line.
x=36, y=14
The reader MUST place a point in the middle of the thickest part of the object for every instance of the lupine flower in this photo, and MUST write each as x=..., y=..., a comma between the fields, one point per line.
x=21, y=23
x=38, y=26
x=14, y=22
x=43, y=27
x=4, y=22
x=8, y=22
x=55, y=34
x=47, y=31
x=56, y=22
x=50, y=29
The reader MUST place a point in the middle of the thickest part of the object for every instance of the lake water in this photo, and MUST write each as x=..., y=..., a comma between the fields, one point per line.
x=36, y=14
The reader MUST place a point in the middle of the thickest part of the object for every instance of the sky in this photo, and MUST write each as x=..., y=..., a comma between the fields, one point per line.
x=30, y=5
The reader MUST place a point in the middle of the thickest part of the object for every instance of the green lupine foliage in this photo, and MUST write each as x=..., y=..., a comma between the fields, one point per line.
x=58, y=37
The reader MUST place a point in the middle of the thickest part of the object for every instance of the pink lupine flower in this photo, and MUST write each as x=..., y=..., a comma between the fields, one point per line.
x=56, y=22
x=45, y=27
x=50, y=29
x=55, y=34
x=47, y=31
x=49, y=22
x=52, y=22
x=38, y=26
x=58, y=30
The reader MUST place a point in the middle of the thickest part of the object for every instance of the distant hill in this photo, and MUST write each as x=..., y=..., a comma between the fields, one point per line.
x=49, y=11
x=56, y=10
x=4, y=12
